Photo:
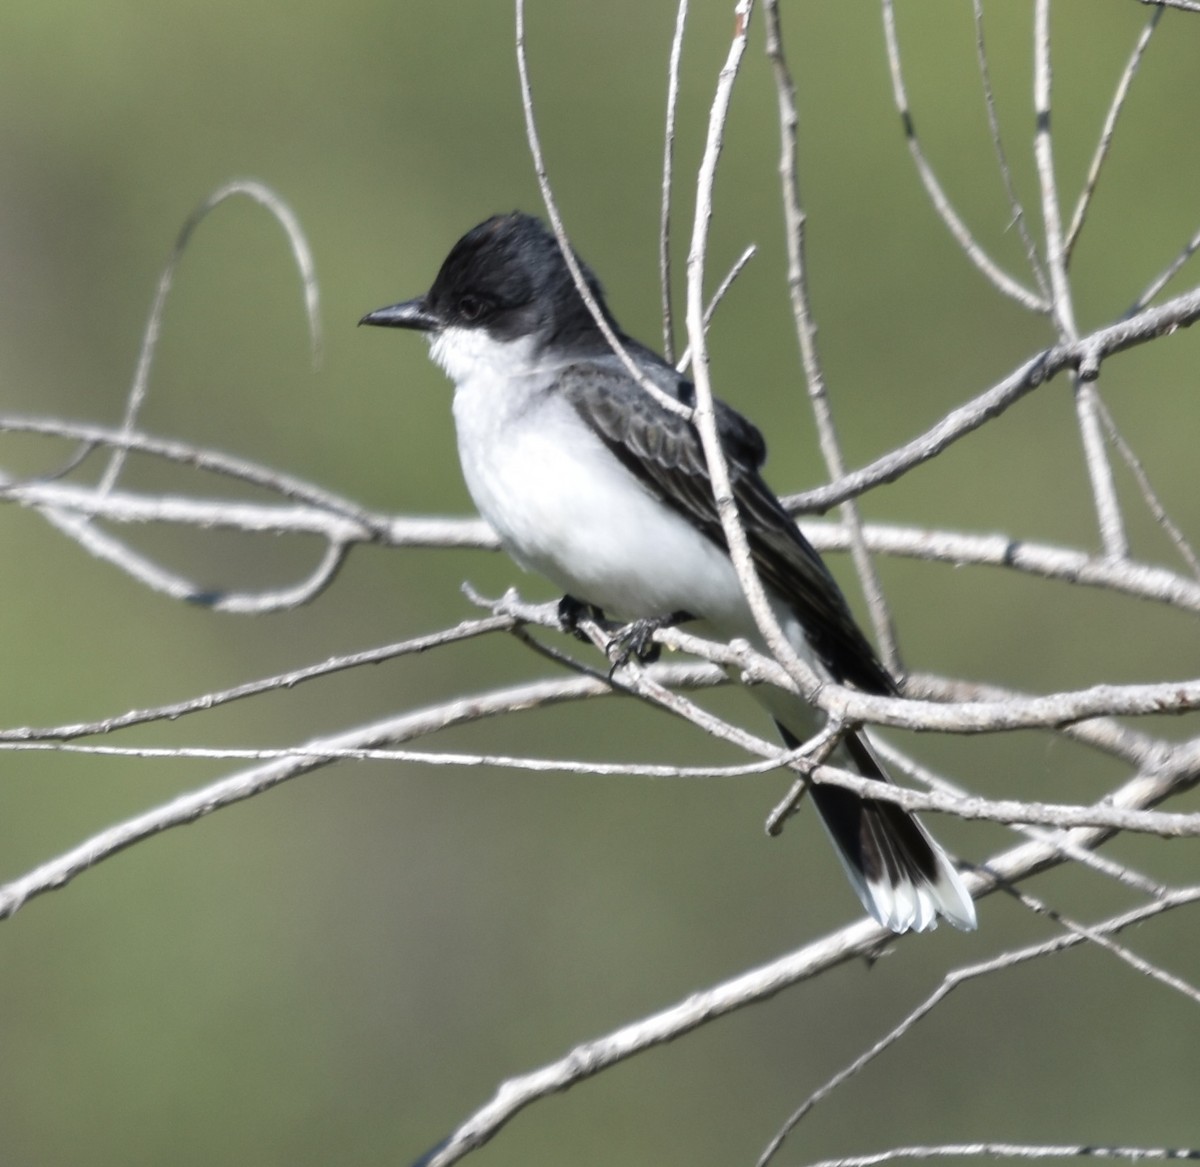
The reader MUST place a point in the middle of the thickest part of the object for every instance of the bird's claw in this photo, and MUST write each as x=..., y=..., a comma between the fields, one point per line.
x=635, y=642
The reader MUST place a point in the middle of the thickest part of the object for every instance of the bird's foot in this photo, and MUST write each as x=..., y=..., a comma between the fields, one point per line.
x=636, y=640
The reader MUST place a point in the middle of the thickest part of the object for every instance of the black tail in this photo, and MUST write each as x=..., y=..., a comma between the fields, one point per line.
x=904, y=879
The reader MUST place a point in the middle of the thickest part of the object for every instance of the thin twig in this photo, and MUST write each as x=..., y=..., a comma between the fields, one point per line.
x=1160, y=281
x=1090, y=350
x=1088, y=404
x=301, y=252
x=315, y=754
x=77, y=459
x=699, y=1008
x=1123, y=874
x=1015, y=1150
x=1120, y=951
x=971, y=248
x=435, y=758
x=466, y=630
x=157, y=578
x=1006, y=176
x=1104, y=492
x=560, y=231
x=723, y=287
x=1043, y=151
x=1104, y=145
x=1178, y=539
x=1126, y=577
x=704, y=415
x=188, y=454
x=952, y=981
x=1048, y=712
x=664, y=222
x=795, y=221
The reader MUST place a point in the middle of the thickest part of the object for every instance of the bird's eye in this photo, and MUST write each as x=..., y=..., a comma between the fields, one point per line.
x=471, y=308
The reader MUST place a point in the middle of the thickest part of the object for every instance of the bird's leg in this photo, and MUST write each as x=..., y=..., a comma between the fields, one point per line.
x=571, y=611
x=636, y=639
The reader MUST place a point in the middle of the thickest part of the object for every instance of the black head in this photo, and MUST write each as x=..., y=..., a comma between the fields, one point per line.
x=509, y=277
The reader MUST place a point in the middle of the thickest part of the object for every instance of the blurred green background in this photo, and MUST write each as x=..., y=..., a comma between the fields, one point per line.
x=341, y=970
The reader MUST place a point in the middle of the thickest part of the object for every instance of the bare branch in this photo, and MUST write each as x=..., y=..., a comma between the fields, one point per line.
x=1182, y=5
x=1049, y=712
x=437, y=758
x=1043, y=151
x=739, y=265
x=806, y=334
x=952, y=981
x=466, y=630
x=1089, y=404
x=1153, y=503
x=402, y=531
x=560, y=232
x=664, y=223
x=159, y=579
x=1018, y=211
x=1104, y=734
x=1126, y=577
x=1012, y=811
x=315, y=754
x=1014, y=1150
x=704, y=415
x=1104, y=492
x=971, y=716
x=999, y=278
x=1106, y=134
x=862, y=939
x=1161, y=281
x=1122, y=873
x=1089, y=351
x=1120, y=951
x=301, y=253
x=188, y=454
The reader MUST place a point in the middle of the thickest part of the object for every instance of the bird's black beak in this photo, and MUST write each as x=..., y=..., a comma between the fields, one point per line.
x=414, y=314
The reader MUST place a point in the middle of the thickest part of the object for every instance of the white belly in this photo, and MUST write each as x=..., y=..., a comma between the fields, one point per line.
x=564, y=507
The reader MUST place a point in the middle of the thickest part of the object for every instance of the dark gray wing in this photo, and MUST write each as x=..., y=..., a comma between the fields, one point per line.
x=664, y=452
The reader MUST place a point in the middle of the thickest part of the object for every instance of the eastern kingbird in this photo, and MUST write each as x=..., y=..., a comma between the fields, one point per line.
x=592, y=483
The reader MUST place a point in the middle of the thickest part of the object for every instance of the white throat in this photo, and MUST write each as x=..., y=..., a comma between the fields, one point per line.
x=470, y=354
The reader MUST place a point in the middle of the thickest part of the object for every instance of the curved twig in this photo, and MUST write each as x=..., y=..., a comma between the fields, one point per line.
x=971, y=248
x=298, y=244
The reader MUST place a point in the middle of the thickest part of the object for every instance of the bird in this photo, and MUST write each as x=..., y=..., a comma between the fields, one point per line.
x=591, y=482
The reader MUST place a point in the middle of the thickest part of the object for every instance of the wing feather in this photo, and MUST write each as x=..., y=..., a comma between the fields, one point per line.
x=663, y=451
